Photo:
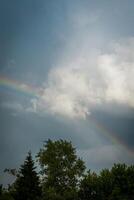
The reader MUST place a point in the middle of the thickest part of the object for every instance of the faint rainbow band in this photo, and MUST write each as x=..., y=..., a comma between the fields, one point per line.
x=32, y=91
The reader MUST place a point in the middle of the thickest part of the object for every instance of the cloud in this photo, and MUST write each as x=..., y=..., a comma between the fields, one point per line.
x=13, y=106
x=87, y=80
x=16, y=107
x=84, y=80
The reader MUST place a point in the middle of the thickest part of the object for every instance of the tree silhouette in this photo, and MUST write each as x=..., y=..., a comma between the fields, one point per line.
x=27, y=185
x=63, y=178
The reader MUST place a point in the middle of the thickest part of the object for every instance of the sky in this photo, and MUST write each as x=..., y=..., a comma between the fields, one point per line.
x=66, y=72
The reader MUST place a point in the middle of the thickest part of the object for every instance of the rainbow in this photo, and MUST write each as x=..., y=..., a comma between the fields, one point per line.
x=19, y=87
x=110, y=135
x=32, y=91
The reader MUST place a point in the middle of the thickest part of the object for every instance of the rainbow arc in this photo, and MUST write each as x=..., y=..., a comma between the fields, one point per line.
x=32, y=91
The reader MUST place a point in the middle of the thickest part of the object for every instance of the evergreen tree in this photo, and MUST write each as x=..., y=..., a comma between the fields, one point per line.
x=27, y=185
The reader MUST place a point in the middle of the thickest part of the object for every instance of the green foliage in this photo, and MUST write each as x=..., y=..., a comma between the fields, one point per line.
x=27, y=185
x=0, y=189
x=12, y=172
x=61, y=169
x=5, y=194
x=63, y=178
x=106, y=183
x=90, y=187
x=130, y=181
x=114, y=184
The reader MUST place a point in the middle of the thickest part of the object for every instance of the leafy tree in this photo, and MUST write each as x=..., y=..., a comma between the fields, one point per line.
x=63, y=178
x=130, y=182
x=119, y=174
x=106, y=184
x=90, y=187
x=5, y=194
x=114, y=184
x=0, y=189
x=27, y=184
x=61, y=170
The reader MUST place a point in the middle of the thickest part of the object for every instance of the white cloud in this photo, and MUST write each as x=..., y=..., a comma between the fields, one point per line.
x=79, y=84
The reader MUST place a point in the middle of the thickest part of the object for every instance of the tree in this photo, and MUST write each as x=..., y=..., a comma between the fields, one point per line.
x=90, y=187
x=5, y=194
x=27, y=185
x=130, y=182
x=106, y=184
x=61, y=170
x=119, y=174
x=0, y=189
